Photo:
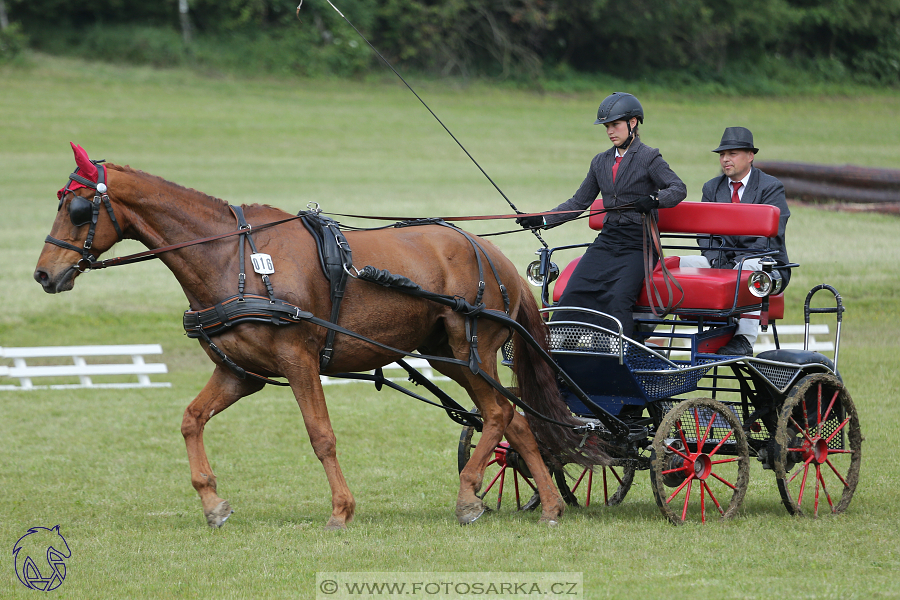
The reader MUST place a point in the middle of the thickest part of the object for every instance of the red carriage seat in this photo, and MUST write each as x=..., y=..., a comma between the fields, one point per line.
x=706, y=291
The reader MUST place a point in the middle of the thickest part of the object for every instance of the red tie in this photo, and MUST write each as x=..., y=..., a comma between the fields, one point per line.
x=616, y=167
x=734, y=195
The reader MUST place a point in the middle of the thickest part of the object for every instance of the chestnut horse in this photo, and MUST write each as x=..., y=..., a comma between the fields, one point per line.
x=440, y=259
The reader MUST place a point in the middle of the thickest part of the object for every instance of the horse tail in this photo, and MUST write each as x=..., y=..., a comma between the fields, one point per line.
x=538, y=389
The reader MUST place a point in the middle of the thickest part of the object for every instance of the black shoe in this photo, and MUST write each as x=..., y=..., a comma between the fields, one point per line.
x=738, y=346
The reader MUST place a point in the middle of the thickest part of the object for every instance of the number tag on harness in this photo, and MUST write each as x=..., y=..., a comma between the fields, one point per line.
x=262, y=263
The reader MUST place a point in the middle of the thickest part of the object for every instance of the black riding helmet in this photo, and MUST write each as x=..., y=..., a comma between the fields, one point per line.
x=619, y=105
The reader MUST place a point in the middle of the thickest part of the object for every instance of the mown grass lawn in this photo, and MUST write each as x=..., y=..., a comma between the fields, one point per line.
x=110, y=467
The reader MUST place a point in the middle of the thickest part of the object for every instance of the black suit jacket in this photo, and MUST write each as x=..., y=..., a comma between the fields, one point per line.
x=642, y=172
x=761, y=189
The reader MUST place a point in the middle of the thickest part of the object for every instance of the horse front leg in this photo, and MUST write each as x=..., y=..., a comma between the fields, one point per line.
x=522, y=439
x=307, y=389
x=221, y=391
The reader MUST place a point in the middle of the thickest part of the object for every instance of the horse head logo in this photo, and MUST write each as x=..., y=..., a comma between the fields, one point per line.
x=40, y=558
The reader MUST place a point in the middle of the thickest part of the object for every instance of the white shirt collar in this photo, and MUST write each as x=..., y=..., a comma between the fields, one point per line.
x=743, y=183
x=744, y=180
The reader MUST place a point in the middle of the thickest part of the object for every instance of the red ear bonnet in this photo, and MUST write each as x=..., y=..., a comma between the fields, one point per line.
x=86, y=169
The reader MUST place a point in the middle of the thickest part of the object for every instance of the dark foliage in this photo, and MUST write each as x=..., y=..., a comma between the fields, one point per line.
x=705, y=40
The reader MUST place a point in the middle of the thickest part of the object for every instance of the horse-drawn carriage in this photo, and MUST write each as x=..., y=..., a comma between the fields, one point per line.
x=667, y=403
x=597, y=399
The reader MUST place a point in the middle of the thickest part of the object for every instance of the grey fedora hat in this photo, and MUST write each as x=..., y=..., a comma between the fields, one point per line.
x=736, y=138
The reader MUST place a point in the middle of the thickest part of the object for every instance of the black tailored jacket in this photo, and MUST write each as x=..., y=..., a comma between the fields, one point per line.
x=761, y=189
x=642, y=172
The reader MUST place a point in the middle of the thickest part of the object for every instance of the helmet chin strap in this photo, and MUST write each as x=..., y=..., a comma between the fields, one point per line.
x=630, y=137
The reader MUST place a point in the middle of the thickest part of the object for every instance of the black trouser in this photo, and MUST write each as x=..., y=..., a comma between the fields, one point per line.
x=608, y=278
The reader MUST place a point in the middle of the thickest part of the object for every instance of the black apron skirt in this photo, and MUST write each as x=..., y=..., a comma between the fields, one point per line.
x=608, y=278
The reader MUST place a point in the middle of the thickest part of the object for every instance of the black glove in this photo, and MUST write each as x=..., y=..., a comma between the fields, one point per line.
x=530, y=222
x=645, y=204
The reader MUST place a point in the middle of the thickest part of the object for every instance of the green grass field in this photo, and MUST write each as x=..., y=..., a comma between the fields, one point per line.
x=110, y=467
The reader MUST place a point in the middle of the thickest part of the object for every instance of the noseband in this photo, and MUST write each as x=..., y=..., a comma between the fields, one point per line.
x=86, y=212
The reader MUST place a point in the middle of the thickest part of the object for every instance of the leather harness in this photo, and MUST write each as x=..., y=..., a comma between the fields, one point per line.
x=335, y=259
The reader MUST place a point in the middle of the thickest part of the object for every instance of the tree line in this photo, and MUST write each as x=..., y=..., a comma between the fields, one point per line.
x=857, y=40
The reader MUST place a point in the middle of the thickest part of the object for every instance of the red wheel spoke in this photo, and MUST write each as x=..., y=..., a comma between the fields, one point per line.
x=697, y=427
x=819, y=410
x=724, y=439
x=702, y=503
x=816, y=503
x=803, y=431
x=526, y=480
x=680, y=430
x=839, y=427
x=716, y=502
x=828, y=410
x=827, y=496
x=681, y=454
x=616, y=475
x=725, y=460
x=712, y=418
x=836, y=473
x=794, y=476
x=683, y=441
x=840, y=451
x=802, y=485
x=587, y=498
x=687, y=497
x=493, y=481
x=667, y=471
x=680, y=487
x=723, y=481
x=577, y=483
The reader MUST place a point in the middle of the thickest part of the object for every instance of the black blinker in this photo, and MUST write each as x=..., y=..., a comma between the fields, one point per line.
x=81, y=211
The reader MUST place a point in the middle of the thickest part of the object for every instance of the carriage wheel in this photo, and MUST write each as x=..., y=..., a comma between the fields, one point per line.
x=609, y=484
x=506, y=464
x=818, y=447
x=700, y=462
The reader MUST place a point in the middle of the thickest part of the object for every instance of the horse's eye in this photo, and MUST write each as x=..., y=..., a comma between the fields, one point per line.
x=81, y=211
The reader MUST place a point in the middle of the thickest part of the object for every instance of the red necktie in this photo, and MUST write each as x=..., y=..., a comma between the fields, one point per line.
x=734, y=195
x=616, y=167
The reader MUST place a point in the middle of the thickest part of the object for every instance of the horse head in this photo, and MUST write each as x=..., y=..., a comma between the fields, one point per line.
x=85, y=225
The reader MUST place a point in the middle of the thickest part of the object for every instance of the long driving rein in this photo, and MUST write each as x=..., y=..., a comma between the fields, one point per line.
x=241, y=308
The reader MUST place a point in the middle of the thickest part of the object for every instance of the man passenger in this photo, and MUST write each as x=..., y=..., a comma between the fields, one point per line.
x=742, y=183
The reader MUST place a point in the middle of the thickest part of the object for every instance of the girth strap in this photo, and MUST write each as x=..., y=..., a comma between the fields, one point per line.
x=335, y=258
x=240, y=309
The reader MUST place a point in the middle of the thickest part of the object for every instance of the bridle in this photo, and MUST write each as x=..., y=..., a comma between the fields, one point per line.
x=83, y=212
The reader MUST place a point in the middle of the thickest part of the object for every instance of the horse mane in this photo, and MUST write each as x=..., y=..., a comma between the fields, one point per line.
x=156, y=180
x=160, y=181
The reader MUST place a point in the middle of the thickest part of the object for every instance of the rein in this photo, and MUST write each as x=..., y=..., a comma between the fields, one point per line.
x=89, y=263
x=151, y=254
x=652, y=242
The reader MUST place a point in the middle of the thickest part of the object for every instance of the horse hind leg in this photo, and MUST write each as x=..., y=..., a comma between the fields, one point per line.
x=496, y=416
x=498, y=411
x=522, y=439
x=221, y=391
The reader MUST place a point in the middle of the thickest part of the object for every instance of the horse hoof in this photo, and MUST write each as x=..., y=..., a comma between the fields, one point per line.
x=550, y=522
x=468, y=514
x=217, y=516
x=334, y=524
